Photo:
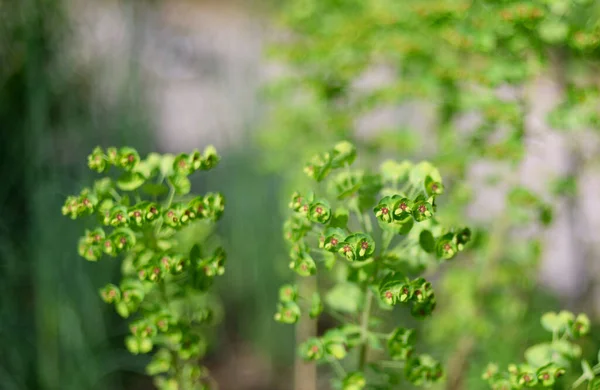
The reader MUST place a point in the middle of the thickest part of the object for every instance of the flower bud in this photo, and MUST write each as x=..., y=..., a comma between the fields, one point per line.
x=528, y=378
x=137, y=345
x=287, y=312
x=304, y=265
x=384, y=210
x=463, y=236
x=490, y=371
x=320, y=212
x=214, y=265
x=288, y=293
x=142, y=328
x=122, y=239
x=182, y=165
x=136, y=215
x=110, y=293
x=402, y=207
x=172, y=216
x=354, y=381
x=210, y=158
x=333, y=238
x=445, y=246
x=422, y=211
x=399, y=344
x=173, y=264
x=548, y=374
x=335, y=344
x=362, y=245
x=128, y=158
x=433, y=187
x=112, y=156
x=70, y=207
x=162, y=320
x=161, y=363
x=97, y=161
x=192, y=346
x=311, y=350
x=581, y=326
x=214, y=204
x=423, y=370
x=298, y=201
x=90, y=252
x=119, y=216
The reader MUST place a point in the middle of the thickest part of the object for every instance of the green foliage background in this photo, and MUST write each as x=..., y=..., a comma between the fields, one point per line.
x=55, y=333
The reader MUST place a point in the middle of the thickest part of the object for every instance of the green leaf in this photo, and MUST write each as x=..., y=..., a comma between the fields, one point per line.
x=552, y=322
x=553, y=31
x=166, y=165
x=419, y=173
x=392, y=171
x=427, y=241
x=316, y=307
x=344, y=153
x=344, y=297
x=539, y=355
x=339, y=218
x=181, y=184
x=130, y=181
x=195, y=254
x=154, y=189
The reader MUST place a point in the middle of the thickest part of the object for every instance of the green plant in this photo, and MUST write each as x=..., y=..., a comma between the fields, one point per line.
x=383, y=225
x=547, y=362
x=140, y=217
x=454, y=60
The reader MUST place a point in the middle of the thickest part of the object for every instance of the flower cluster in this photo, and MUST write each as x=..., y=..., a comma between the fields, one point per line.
x=401, y=198
x=547, y=362
x=138, y=216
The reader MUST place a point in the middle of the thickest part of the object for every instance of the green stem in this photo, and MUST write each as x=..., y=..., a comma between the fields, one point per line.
x=579, y=381
x=364, y=329
x=339, y=370
x=115, y=194
x=366, y=314
x=170, y=198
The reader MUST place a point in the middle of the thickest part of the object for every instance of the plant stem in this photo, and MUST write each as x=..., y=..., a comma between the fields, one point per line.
x=366, y=314
x=169, y=202
x=339, y=370
x=364, y=328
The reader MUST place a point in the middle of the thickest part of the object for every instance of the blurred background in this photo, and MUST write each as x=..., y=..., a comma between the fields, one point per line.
x=170, y=76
